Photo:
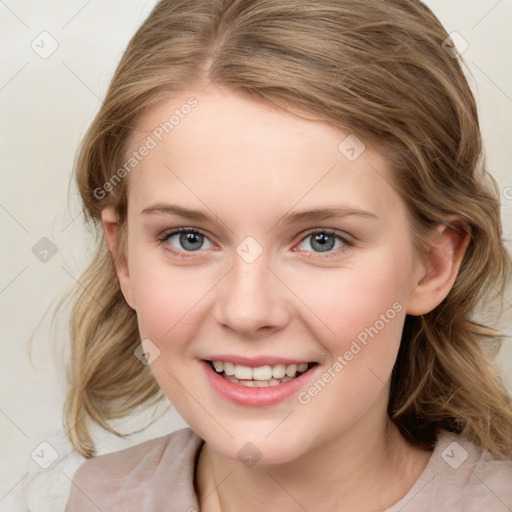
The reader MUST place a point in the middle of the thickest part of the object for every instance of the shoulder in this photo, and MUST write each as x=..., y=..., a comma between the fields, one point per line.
x=483, y=477
x=140, y=476
x=461, y=477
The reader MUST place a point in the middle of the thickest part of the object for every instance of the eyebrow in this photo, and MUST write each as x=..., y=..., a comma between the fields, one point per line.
x=296, y=217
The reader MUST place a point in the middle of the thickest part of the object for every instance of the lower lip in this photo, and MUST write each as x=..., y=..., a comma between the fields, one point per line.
x=255, y=397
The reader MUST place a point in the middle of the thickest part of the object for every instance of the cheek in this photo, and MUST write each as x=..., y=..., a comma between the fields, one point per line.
x=365, y=312
x=362, y=311
x=167, y=298
x=169, y=301
x=348, y=301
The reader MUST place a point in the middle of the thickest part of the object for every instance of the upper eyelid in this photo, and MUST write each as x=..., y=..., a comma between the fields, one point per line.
x=185, y=229
x=331, y=231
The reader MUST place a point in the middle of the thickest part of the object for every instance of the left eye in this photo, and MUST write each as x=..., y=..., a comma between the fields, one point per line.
x=188, y=240
x=323, y=241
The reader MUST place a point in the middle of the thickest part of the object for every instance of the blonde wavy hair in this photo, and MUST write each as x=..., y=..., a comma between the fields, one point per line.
x=377, y=68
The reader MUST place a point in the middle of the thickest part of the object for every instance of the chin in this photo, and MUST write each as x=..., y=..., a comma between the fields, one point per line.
x=256, y=447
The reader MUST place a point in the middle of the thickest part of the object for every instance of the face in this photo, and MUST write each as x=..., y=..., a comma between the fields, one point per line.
x=294, y=252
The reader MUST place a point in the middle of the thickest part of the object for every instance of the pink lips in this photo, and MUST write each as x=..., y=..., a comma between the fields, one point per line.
x=255, y=397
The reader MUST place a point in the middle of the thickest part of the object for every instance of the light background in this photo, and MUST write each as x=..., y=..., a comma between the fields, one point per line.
x=46, y=106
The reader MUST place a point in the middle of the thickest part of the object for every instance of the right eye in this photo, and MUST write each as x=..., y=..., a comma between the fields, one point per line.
x=183, y=240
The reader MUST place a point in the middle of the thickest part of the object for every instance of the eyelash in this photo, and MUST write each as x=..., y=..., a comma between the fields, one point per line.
x=164, y=237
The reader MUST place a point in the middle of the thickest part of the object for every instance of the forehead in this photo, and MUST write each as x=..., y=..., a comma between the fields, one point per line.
x=223, y=149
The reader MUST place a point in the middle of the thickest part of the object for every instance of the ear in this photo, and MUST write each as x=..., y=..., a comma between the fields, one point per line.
x=112, y=231
x=439, y=269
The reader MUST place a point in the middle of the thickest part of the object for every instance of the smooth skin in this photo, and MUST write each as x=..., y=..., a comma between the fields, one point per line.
x=246, y=166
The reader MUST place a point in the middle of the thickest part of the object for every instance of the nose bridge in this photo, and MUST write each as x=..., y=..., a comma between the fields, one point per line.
x=250, y=297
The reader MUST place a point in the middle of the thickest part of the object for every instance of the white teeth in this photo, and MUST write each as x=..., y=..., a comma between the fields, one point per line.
x=231, y=378
x=278, y=371
x=229, y=368
x=262, y=373
x=243, y=372
x=291, y=370
x=267, y=375
x=257, y=383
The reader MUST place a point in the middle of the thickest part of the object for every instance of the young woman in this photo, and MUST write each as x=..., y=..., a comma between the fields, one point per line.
x=298, y=225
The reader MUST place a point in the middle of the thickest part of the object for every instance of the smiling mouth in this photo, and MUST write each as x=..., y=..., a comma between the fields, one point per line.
x=261, y=376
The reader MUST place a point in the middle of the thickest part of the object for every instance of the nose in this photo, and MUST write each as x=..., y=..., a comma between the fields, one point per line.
x=250, y=300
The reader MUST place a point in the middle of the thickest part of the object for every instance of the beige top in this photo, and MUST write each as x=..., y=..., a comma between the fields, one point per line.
x=158, y=476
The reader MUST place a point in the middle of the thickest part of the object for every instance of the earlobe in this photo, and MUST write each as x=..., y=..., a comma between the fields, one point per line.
x=441, y=266
x=111, y=230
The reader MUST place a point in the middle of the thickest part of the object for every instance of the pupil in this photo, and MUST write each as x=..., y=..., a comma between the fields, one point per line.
x=190, y=241
x=326, y=242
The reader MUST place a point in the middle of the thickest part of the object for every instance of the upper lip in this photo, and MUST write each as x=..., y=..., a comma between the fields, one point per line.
x=254, y=362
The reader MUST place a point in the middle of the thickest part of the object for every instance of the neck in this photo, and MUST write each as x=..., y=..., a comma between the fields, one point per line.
x=365, y=468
